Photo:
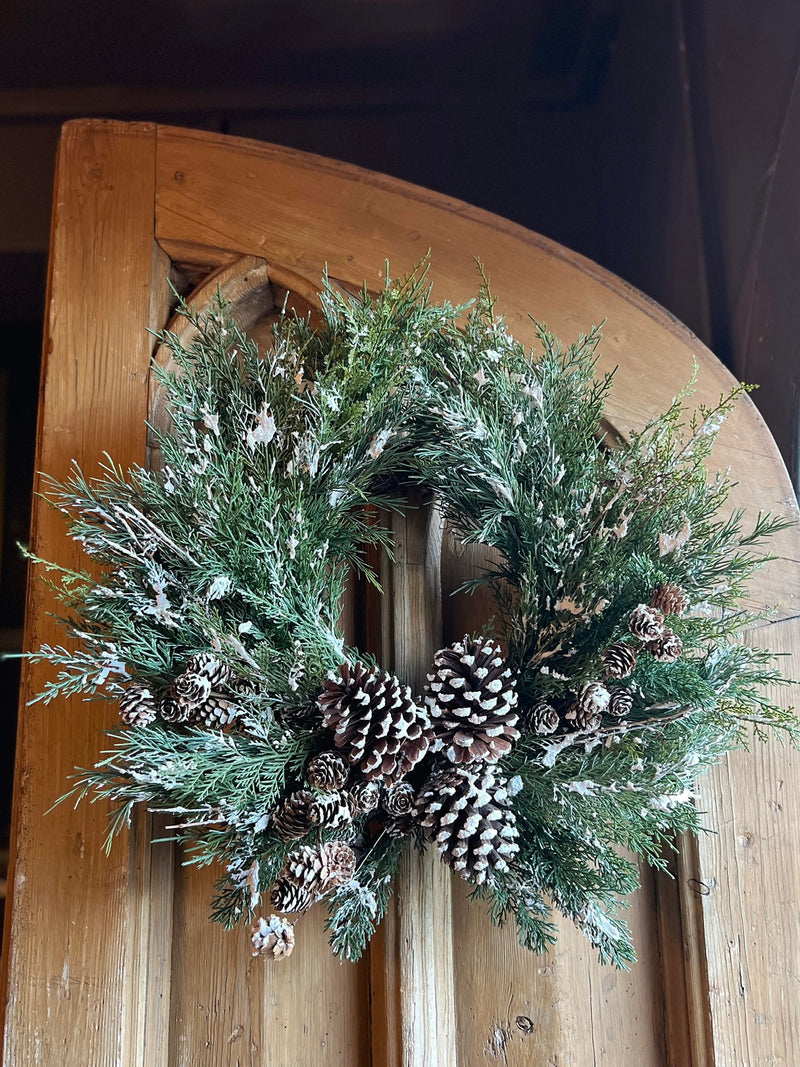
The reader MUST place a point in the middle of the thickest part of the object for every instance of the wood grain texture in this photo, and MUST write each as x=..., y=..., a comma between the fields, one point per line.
x=74, y=929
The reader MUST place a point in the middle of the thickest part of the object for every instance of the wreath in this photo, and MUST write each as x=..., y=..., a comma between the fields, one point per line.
x=567, y=733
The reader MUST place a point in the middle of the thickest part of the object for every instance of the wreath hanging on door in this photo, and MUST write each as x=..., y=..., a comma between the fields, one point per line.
x=568, y=732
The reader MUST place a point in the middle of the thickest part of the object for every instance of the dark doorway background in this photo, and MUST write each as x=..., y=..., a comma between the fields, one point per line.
x=660, y=138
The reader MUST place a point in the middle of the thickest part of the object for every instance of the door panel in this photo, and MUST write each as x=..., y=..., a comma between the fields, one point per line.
x=112, y=960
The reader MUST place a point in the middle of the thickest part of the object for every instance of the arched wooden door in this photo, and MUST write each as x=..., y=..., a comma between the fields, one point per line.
x=112, y=961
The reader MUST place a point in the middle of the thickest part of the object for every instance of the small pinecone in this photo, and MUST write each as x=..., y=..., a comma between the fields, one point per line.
x=339, y=864
x=670, y=599
x=366, y=796
x=375, y=720
x=398, y=803
x=621, y=701
x=191, y=689
x=619, y=660
x=467, y=815
x=667, y=648
x=272, y=937
x=138, y=706
x=318, y=869
x=287, y=896
x=218, y=710
x=207, y=664
x=542, y=718
x=327, y=771
x=294, y=818
x=172, y=710
x=332, y=810
x=646, y=623
x=586, y=711
x=471, y=696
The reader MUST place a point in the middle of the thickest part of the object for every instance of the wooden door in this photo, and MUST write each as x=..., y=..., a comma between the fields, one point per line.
x=112, y=960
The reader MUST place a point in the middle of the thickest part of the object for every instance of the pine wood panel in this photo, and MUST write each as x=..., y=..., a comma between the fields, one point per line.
x=73, y=927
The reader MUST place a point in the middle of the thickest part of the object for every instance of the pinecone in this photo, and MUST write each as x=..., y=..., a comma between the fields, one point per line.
x=670, y=599
x=621, y=701
x=619, y=660
x=191, y=689
x=138, y=706
x=339, y=864
x=287, y=896
x=471, y=696
x=667, y=648
x=375, y=720
x=366, y=796
x=398, y=803
x=467, y=815
x=207, y=664
x=542, y=718
x=272, y=937
x=294, y=818
x=172, y=710
x=318, y=869
x=327, y=771
x=646, y=623
x=332, y=810
x=219, y=710
x=586, y=711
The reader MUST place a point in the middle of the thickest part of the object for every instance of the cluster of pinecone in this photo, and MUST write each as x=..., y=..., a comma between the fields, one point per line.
x=204, y=694
x=584, y=709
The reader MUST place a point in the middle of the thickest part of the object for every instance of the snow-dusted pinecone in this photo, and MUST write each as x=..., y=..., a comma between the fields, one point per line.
x=332, y=810
x=138, y=706
x=172, y=710
x=466, y=813
x=286, y=895
x=398, y=804
x=273, y=937
x=619, y=660
x=207, y=664
x=319, y=869
x=327, y=771
x=471, y=696
x=294, y=818
x=219, y=710
x=191, y=689
x=620, y=702
x=541, y=718
x=586, y=710
x=366, y=795
x=670, y=599
x=646, y=623
x=375, y=721
x=666, y=648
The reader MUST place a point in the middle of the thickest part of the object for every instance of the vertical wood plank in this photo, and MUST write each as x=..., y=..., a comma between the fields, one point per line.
x=413, y=1020
x=68, y=953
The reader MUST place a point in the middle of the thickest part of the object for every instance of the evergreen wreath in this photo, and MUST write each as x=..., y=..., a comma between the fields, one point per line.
x=571, y=730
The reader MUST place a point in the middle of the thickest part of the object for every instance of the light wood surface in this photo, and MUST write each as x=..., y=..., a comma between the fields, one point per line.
x=112, y=961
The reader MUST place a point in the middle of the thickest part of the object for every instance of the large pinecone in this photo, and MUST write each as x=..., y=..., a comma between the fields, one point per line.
x=138, y=706
x=471, y=696
x=467, y=815
x=375, y=721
